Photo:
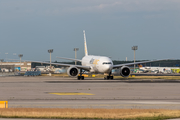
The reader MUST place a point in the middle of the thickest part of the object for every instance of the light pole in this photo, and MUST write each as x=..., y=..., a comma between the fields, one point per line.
x=50, y=51
x=6, y=56
x=20, y=56
x=76, y=49
x=1, y=63
x=14, y=54
x=134, y=48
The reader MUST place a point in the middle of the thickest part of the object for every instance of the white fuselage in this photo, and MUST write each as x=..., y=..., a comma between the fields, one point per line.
x=98, y=64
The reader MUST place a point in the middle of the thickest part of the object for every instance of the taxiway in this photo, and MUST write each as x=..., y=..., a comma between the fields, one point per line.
x=59, y=92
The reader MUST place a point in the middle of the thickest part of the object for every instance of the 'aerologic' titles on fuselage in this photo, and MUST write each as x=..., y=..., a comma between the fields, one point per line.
x=100, y=64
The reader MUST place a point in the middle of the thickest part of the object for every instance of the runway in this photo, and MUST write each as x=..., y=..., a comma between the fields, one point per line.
x=59, y=92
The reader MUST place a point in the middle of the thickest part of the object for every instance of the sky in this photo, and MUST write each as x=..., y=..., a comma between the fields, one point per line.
x=31, y=27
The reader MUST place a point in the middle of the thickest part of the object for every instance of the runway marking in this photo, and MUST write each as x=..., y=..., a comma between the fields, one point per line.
x=72, y=93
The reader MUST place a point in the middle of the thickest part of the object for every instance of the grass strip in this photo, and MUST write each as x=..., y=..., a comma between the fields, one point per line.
x=89, y=113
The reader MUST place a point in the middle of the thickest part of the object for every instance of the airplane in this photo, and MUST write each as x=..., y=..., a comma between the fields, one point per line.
x=95, y=64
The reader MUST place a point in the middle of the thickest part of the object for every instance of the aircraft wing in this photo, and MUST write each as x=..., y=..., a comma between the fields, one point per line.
x=69, y=59
x=128, y=64
x=60, y=64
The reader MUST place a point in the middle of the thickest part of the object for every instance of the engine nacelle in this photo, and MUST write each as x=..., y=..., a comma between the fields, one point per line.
x=73, y=71
x=125, y=71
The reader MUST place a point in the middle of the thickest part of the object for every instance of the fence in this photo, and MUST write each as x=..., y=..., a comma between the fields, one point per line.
x=32, y=73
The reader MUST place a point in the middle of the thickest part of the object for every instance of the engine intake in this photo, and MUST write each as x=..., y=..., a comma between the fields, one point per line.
x=73, y=71
x=125, y=71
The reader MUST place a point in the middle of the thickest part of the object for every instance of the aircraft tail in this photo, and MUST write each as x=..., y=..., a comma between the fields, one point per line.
x=85, y=44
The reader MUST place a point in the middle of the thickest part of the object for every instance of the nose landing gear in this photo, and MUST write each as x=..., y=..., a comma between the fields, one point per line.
x=109, y=77
x=80, y=78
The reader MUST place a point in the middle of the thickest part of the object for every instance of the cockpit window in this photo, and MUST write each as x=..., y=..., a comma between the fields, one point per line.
x=106, y=63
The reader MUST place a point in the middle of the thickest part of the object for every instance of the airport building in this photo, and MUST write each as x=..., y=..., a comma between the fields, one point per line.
x=15, y=66
x=23, y=66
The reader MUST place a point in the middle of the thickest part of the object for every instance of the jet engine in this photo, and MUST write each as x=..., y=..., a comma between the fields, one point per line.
x=125, y=71
x=73, y=71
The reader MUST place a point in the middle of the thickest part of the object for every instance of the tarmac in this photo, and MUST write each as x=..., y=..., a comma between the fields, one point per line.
x=59, y=92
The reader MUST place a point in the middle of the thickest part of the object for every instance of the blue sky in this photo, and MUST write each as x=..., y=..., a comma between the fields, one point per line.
x=31, y=27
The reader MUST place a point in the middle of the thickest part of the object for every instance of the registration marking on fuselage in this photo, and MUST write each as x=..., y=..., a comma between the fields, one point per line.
x=71, y=93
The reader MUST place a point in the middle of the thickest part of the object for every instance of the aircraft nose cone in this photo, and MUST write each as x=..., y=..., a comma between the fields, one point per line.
x=107, y=68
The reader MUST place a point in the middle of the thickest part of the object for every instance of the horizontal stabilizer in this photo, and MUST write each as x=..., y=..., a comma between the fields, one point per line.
x=70, y=59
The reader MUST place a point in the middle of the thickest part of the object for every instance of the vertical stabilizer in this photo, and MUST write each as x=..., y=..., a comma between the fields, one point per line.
x=85, y=44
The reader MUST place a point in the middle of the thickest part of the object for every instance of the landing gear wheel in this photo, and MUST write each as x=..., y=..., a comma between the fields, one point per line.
x=109, y=77
x=80, y=77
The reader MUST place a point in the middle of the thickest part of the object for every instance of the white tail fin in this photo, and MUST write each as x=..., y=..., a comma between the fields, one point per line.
x=85, y=45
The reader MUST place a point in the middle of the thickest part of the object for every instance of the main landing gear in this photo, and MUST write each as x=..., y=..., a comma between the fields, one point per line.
x=109, y=77
x=80, y=77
